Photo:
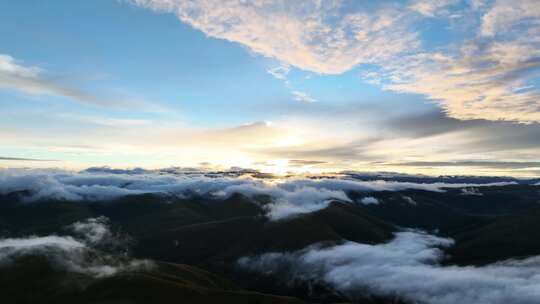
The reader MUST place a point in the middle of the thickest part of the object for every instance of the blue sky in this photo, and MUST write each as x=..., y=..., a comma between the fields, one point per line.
x=118, y=47
x=156, y=83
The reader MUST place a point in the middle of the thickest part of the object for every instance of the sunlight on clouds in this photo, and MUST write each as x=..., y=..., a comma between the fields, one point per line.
x=508, y=14
x=277, y=166
x=482, y=78
x=311, y=35
x=431, y=8
x=476, y=84
x=486, y=77
x=293, y=144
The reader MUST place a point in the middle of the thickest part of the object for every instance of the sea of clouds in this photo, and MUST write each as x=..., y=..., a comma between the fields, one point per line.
x=79, y=252
x=290, y=196
x=407, y=267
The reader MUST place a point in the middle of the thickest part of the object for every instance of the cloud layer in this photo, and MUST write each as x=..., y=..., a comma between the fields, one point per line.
x=290, y=196
x=407, y=267
x=73, y=254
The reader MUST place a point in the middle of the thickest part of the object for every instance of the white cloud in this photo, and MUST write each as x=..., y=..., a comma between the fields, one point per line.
x=9, y=66
x=471, y=191
x=481, y=81
x=302, y=96
x=105, y=121
x=94, y=230
x=66, y=243
x=290, y=197
x=431, y=8
x=280, y=72
x=409, y=200
x=485, y=77
x=312, y=35
x=506, y=15
x=407, y=267
x=369, y=200
x=72, y=254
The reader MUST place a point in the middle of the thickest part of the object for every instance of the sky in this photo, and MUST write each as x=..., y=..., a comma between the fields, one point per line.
x=417, y=86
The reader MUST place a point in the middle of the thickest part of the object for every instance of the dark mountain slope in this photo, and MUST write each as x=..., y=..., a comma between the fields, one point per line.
x=511, y=236
x=200, y=230
x=451, y=212
x=224, y=241
x=487, y=223
x=33, y=280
